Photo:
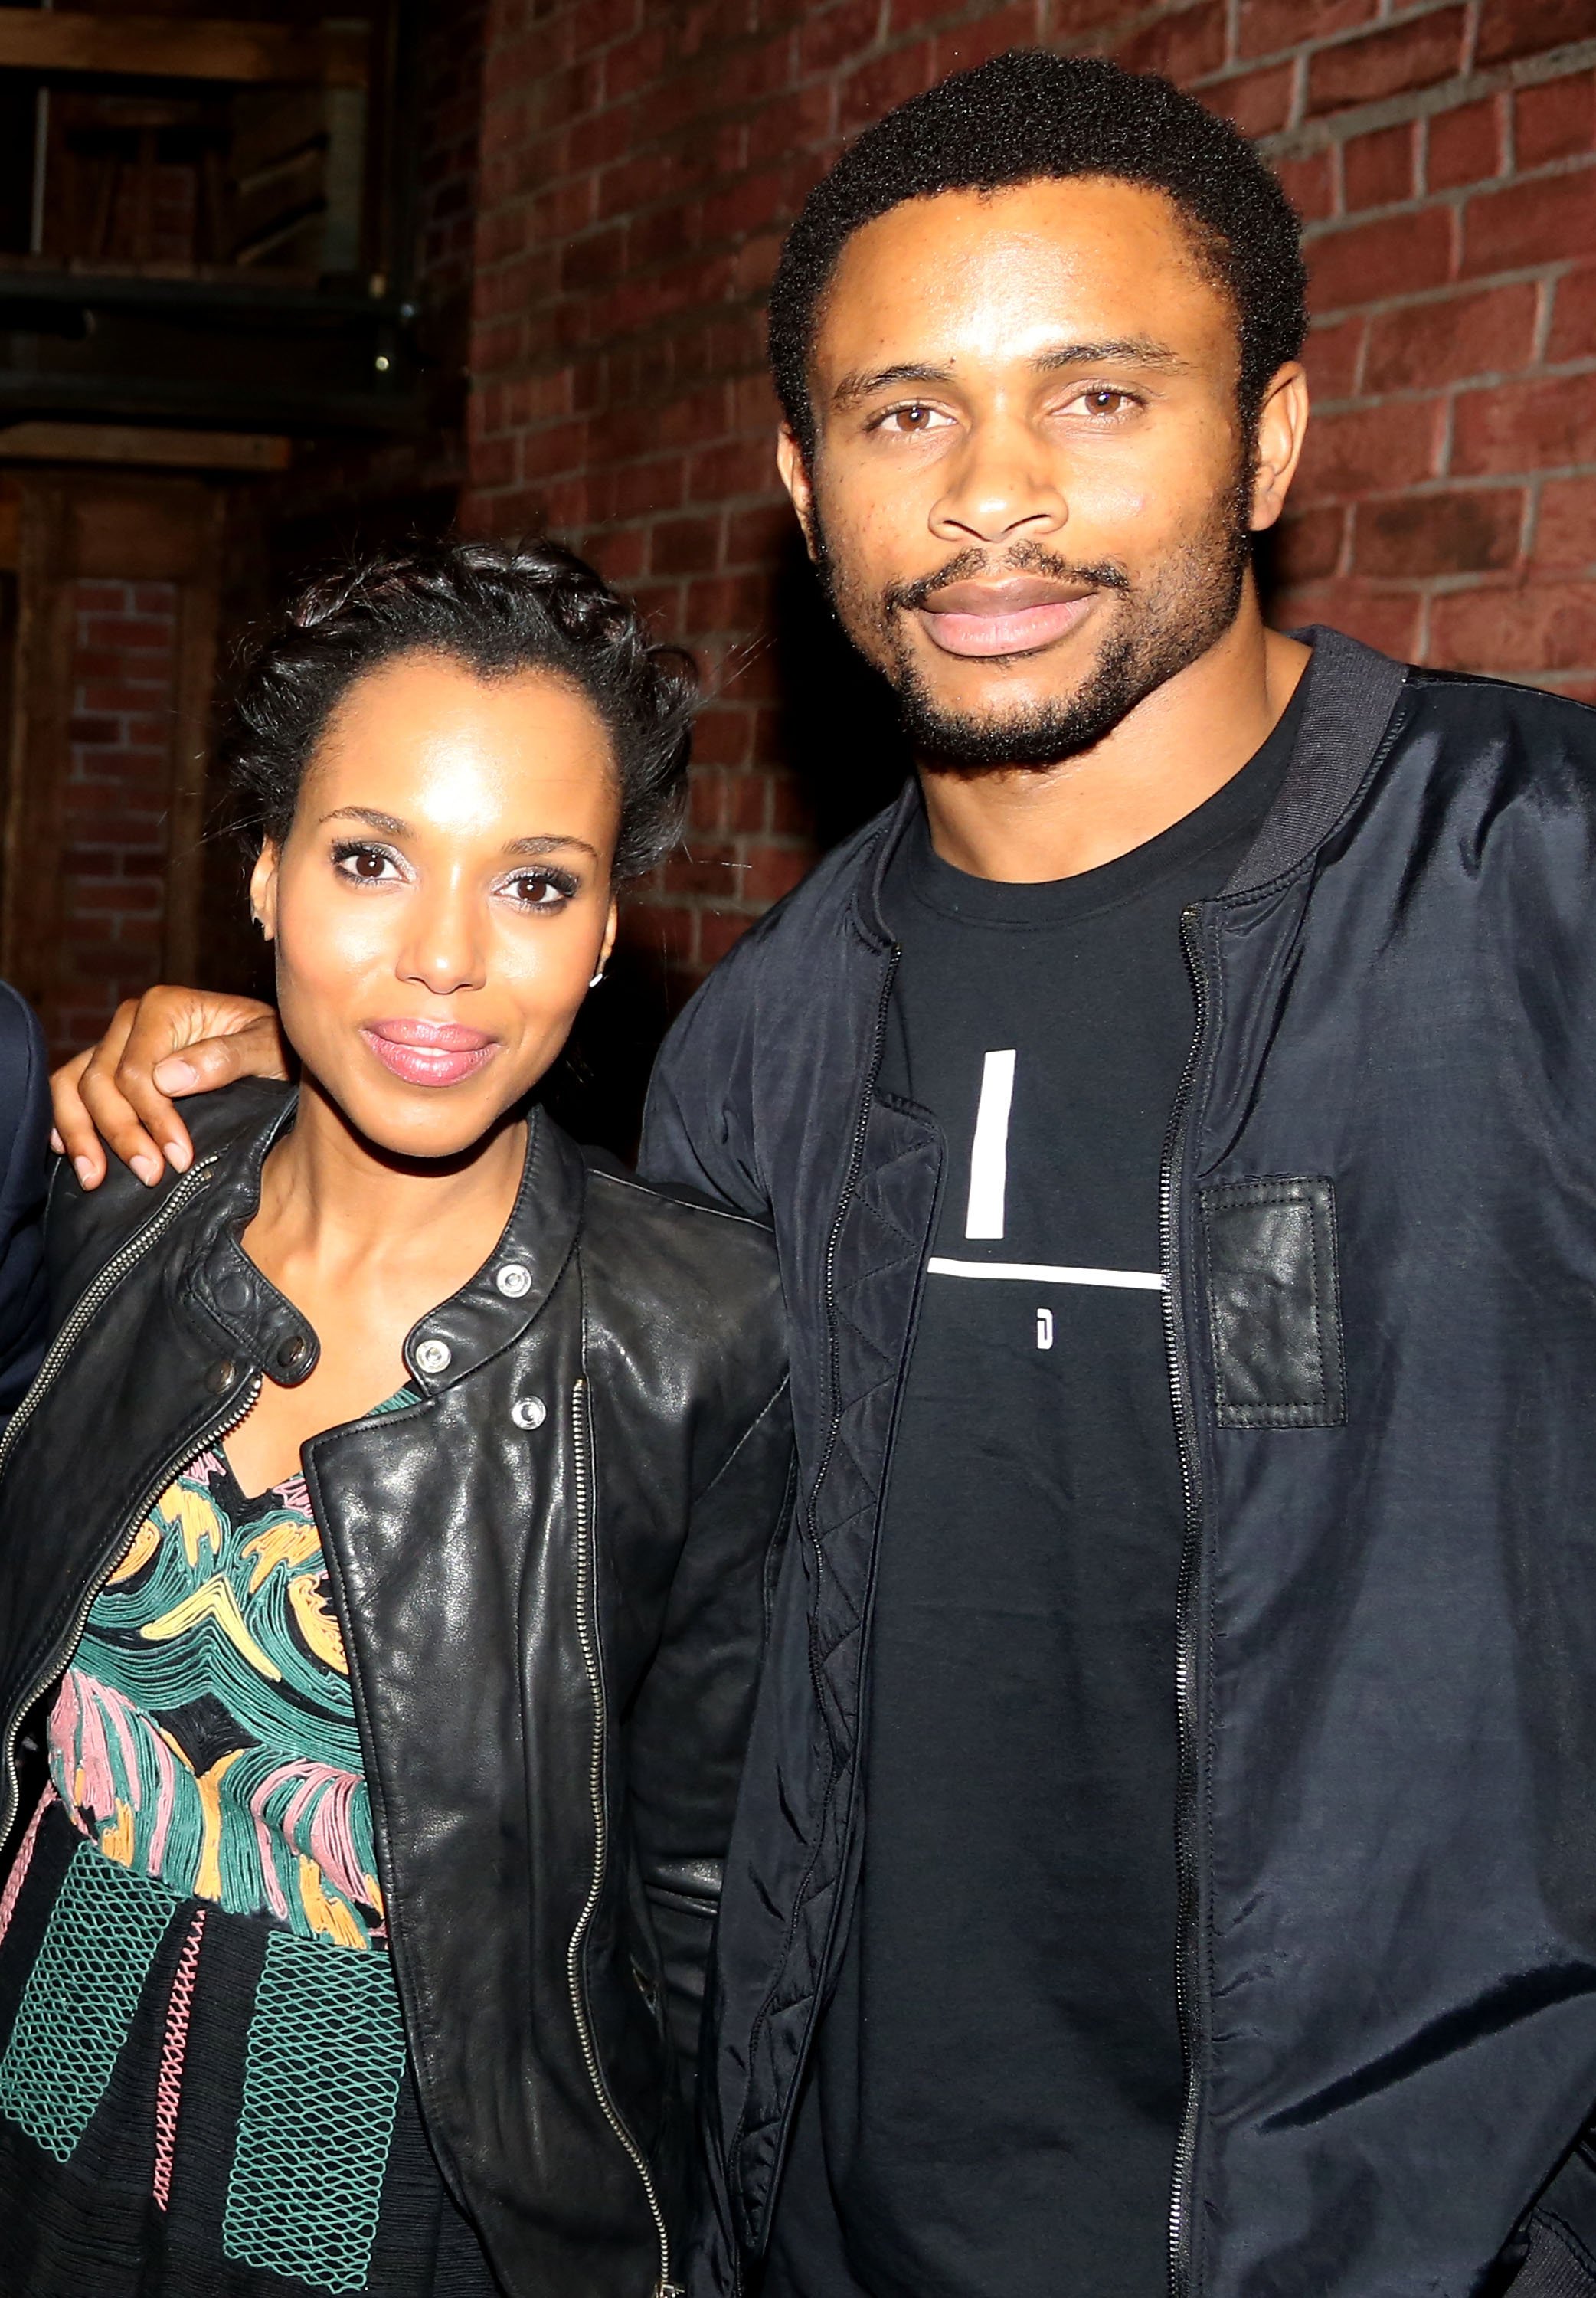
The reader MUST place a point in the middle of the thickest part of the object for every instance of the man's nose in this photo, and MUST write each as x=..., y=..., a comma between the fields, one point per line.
x=1002, y=484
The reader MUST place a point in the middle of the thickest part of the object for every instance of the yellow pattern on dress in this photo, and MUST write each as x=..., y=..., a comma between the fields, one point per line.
x=317, y=1621
x=284, y=1543
x=194, y=1512
x=214, y=1600
x=145, y=1540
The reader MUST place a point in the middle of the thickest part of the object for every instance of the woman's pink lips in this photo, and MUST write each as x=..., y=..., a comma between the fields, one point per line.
x=429, y=1052
x=1003, y=629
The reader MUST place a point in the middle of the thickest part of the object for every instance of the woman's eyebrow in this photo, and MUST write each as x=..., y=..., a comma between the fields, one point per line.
x=389, y=824
x=555, y=843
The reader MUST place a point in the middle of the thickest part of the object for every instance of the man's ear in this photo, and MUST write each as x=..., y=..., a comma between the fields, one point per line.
x=263, y=889
x=1282, y=424
x=795, y=478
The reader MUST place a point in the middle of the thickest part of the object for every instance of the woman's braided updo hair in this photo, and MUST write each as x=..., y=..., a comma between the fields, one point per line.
x=496, y=610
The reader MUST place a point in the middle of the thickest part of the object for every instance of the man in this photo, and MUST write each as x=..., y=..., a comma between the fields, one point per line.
x=1169, y=1836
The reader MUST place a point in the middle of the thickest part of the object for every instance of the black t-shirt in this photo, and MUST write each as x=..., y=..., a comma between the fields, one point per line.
x=997, y=2088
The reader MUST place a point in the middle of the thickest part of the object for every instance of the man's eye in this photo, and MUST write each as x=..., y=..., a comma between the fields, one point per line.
x=1104, y=400
x=367, y=865
x=911, y=421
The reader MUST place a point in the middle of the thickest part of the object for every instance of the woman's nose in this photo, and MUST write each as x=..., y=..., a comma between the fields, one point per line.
x=445, y=949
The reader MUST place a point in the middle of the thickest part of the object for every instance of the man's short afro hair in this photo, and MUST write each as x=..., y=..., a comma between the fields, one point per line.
x=1026, y=117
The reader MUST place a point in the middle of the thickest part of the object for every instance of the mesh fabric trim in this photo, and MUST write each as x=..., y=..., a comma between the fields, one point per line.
x=80, y=1999
x=322, y=2070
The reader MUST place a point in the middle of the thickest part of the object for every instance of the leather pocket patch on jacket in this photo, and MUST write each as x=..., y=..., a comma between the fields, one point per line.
x=1274, y=1305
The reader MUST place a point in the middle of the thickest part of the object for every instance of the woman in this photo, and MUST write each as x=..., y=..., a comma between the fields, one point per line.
x=382, y=1543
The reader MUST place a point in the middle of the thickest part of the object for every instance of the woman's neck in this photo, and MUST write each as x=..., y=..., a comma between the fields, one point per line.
x=364, y=1245
x=331, y=1201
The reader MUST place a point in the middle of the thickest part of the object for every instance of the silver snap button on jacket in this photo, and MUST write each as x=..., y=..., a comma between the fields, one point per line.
x=528, y=1412
x=514, y=1280
x=434, y=1356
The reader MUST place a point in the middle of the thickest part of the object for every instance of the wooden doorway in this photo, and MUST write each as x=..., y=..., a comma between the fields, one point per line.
x=113, y=662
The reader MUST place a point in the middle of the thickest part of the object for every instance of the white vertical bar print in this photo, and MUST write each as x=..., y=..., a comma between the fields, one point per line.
x=989, y=1149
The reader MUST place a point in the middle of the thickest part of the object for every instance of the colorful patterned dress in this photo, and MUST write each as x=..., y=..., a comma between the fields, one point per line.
x=204, y=2090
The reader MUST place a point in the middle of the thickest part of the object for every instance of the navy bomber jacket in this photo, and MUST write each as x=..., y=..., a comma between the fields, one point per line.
x=1380, y=1235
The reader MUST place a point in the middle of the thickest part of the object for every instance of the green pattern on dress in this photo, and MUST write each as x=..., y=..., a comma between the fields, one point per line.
x=205, y=1733
x=305, y=2190
x=79, y=2000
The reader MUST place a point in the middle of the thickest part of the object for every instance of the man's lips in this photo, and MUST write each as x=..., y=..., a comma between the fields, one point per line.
x=430, y=1052
x=982, y=619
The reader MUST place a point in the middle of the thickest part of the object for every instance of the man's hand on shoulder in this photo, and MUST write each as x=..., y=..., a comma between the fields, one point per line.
x=166, y=1044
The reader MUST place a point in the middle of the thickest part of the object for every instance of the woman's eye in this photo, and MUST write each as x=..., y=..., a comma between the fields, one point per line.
x=367, y=865
x=540, y=889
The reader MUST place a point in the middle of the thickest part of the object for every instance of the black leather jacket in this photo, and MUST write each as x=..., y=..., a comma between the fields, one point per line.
x=1379, y=1218
x=551, y=1577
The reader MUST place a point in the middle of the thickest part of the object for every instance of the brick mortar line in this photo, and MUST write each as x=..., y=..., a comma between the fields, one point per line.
x=1455, y=482
x=1552, y=272
x=1314, y=136
x=1461, y=482
x=1456, y=196
x=1365, y=403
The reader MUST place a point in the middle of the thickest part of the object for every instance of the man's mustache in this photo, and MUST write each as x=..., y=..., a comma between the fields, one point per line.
x=975, y=564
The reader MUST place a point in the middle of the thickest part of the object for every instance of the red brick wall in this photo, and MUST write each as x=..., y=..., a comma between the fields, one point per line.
x=112, y=869
x=640, y=159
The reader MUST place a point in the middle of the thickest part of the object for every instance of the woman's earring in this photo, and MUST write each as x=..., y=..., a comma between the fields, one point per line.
x=597, y=978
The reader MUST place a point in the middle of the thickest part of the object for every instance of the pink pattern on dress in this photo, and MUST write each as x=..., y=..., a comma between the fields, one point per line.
x=21, y=1863
x=330, y=1838
x=174, y=2045
x=87, y=1707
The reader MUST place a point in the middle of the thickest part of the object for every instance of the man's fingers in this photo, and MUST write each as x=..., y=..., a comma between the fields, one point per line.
x=170, y=1041
x=252, y=1051
x=112, y=1115
x=74, y=1127
x=195, y=1042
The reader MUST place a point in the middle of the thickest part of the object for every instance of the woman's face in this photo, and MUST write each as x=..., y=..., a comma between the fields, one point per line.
x=442, y=896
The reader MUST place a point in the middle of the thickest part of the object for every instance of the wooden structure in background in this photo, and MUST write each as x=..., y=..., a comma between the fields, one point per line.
x=126, y=444
x=167, y=47
x=70, y=526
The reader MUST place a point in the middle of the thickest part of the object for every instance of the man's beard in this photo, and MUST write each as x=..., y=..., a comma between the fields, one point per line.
x=1160, y=630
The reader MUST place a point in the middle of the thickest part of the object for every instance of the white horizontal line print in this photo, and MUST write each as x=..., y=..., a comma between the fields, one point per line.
x=1042, y=1272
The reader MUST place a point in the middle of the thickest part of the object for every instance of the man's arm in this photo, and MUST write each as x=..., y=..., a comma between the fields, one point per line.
x=24, y=1164
x=698, y=1120
x=689, y=1726
x=161, y=1046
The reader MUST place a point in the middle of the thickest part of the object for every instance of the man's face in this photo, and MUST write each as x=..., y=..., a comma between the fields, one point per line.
x=1030, y=494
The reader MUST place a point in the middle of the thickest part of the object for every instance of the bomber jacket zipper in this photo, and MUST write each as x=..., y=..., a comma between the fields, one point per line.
x=1185, y=1637
x=855, y=1160
x=86, y=1307
x=588, y=1635
x=850, y=1182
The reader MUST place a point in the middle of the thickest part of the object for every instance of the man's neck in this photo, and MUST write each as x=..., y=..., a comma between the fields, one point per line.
x=1163, y=760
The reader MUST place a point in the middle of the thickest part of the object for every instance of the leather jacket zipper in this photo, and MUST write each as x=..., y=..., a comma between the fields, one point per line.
x=1185, y=1638
x=588, y=1635
x=85, y=1309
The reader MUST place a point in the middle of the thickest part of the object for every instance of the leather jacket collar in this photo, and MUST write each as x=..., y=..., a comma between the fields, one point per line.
x=489, y=1313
